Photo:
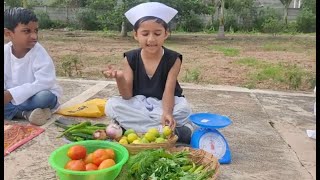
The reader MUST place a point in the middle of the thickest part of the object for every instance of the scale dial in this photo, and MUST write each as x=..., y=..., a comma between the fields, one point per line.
x=213, y=143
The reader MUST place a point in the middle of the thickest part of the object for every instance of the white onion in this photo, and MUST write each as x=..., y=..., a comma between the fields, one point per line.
x=114, y=131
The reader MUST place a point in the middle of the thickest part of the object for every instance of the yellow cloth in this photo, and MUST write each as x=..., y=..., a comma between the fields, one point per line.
x=91, y=108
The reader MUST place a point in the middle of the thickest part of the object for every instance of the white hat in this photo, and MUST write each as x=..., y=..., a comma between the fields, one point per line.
x=155, y=9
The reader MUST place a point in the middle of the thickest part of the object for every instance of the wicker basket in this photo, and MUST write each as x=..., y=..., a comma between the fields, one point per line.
x=202, y=157
x=135, y=148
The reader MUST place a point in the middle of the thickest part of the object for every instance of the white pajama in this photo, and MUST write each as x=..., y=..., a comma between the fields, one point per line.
x=141, y=113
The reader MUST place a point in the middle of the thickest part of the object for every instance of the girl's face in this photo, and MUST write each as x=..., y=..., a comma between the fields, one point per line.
x=151, y=36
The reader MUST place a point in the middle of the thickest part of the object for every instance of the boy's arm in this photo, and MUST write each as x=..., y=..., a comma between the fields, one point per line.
x=45, y=78
x=168, y=95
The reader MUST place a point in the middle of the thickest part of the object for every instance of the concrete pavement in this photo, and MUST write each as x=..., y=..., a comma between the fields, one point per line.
x=267, y=138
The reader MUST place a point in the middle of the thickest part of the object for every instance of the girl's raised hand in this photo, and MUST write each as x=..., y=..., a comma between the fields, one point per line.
x=111, y=72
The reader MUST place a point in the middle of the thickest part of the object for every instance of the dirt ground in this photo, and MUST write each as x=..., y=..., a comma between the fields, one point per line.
x=94, y=50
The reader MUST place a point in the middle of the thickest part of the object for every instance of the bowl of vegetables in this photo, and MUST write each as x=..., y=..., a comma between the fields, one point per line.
x=60, y=160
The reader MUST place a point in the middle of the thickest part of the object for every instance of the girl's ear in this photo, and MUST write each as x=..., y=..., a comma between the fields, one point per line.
x=135, y=35
x=167, y=33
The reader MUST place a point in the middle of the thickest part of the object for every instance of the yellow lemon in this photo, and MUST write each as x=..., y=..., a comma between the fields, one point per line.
x=131, y=137
x=129, y=131
x=154, y=131
x=167, y=131
x=123, y=141
x=137, y=141
x=159, y=140
x=150, y=137
x=144, y=140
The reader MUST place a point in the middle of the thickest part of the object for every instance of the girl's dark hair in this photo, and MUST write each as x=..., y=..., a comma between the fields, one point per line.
x=146, y=18
x=14, y=16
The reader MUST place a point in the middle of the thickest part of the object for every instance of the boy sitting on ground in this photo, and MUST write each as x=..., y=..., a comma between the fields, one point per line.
x=30, y=87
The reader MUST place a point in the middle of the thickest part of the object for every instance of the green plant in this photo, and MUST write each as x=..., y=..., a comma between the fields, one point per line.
x=274, y=47
x=192, y=75
x=306, y=21
x=71, y=66
x=227, y=51
x=249, y=61
x=272, y=26
x=44, y=20
x=87, y=19
x=193, y=23
x=291, y=27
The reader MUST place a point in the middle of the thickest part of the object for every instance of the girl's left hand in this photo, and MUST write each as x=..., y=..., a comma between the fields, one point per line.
x=167, y=120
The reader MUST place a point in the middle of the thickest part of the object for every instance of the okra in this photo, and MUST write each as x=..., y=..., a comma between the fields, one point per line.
x=70, y=137
x=95, y=127
x=198, y=170
x=193, y=168
x=100, y=125
x=78, y=126
x=83, y=135
x=62, y=125
x=186, y=168
x=84, y=130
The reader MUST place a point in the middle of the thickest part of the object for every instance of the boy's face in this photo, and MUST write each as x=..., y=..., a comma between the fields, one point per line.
x=24, y=36
x=151, y=36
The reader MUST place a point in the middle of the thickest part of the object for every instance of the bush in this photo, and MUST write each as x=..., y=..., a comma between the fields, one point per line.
x=263, y=15
x=192, y=23
x=87, y=19
x=306, y=21
x=230, y=23
x=44, y=20
x=291, y=27
x=272, y=25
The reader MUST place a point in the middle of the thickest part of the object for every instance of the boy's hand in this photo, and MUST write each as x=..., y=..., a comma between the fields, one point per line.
x=111, y=72
x=167, y=120
x=7, y=97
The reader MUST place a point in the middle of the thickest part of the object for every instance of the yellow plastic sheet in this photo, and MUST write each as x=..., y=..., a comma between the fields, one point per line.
x=91, y=108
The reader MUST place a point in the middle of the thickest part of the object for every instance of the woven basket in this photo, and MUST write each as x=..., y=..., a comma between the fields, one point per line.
x=135, y=148
x=199, y=156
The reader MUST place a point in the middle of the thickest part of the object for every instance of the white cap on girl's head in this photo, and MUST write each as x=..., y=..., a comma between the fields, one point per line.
x=155, y=9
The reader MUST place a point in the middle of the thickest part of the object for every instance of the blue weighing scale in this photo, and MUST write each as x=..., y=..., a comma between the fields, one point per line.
x=208, y=138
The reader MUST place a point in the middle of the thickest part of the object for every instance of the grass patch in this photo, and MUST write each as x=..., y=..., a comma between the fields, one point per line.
x=291, y=76
x=275, y=47
x=192, y=75
x=251, y=62
x=227, y=51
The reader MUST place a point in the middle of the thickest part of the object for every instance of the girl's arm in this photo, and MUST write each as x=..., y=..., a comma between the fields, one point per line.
x=125, y=80
x=168, y=95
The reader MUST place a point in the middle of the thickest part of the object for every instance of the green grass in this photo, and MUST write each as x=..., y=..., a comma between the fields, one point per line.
x=249, y=61
x=290, y=75
x=192, y=75
x=274, y=47
x=227, y=51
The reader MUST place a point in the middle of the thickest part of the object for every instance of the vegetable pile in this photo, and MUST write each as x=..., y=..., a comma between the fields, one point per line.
x=83, y=131
x=160, y=165
x=81, y=160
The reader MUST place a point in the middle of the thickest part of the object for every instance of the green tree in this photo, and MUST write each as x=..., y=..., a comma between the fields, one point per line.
x=14, y=3
x=286, y=4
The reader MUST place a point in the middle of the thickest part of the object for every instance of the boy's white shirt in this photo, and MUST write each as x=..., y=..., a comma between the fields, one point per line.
x=29, y=75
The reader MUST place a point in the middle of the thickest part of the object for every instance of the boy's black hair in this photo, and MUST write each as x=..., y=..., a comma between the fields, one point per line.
x=146, y=18
x=14, y=16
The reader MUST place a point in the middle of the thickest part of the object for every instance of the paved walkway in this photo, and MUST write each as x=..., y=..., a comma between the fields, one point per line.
x=267, y=138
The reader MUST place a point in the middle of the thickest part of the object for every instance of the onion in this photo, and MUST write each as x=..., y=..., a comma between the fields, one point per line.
x=100, y=135
x=114, y=131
